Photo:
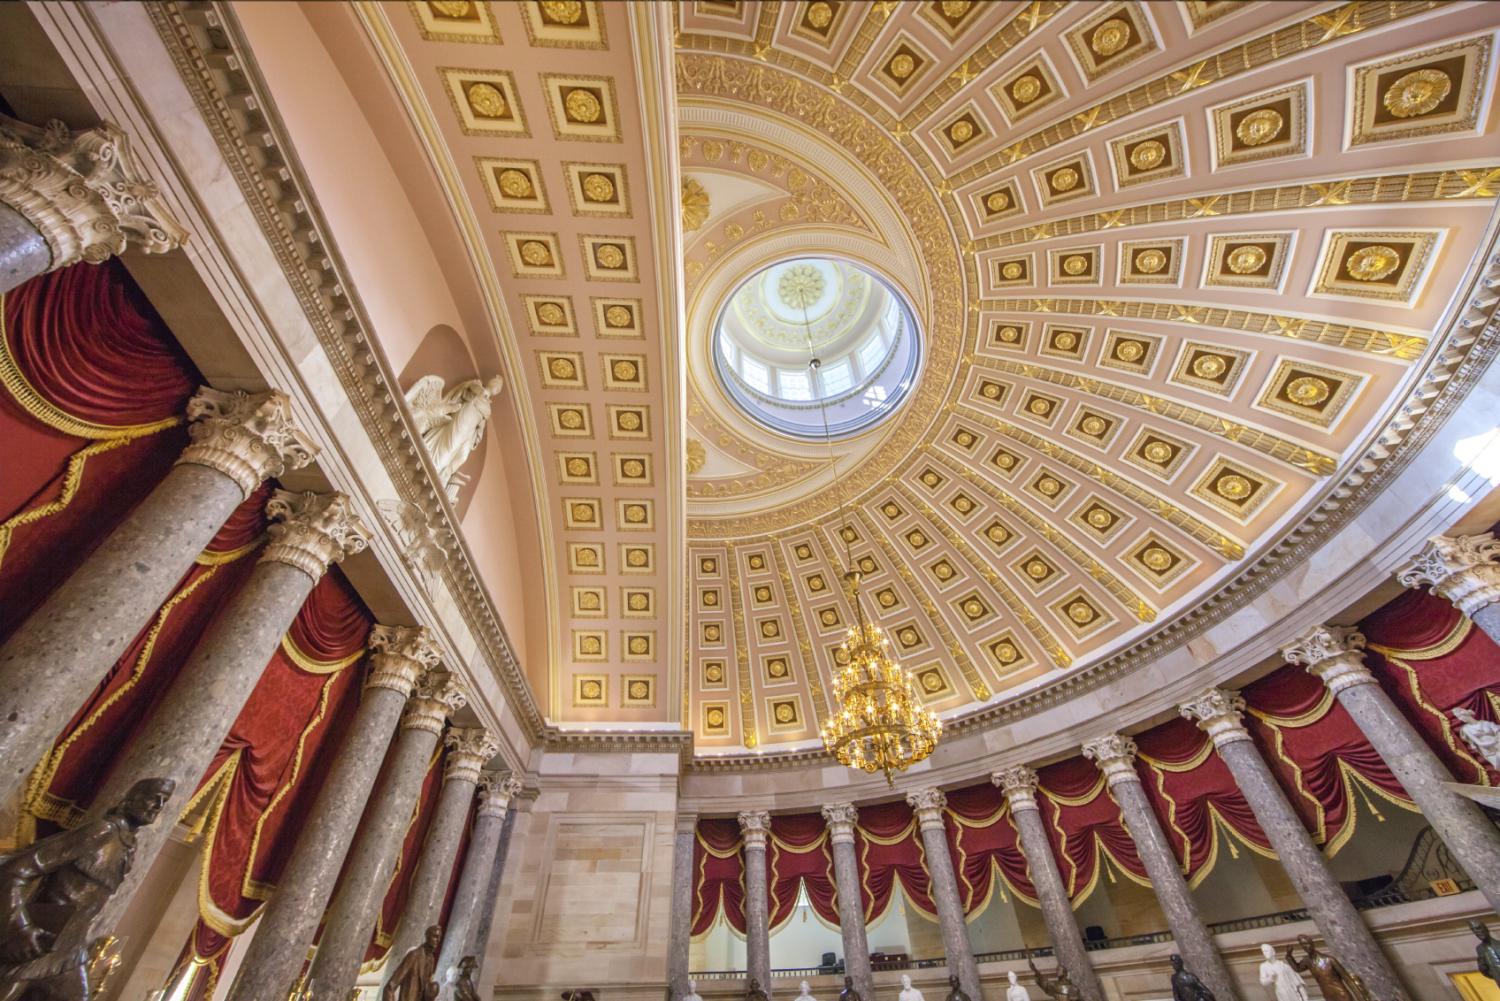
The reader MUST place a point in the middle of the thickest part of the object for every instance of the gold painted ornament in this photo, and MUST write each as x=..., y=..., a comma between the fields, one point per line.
x=1148, y=155
x=1011, y=270
x=1129, y=350
x=1233, y=487
x=819, y=15
x=617, y=316
x=694, y=204
x=486, y=100
x=598, y=188
x=536, y=253
x=1149, y=262
x=1260, y=127
x=515, y=184
x=1307, y=391
x=1081, y=613
x=1371, y=264
x=455, y=9
x=902, y=66
x=1246, y=260
x=562, y=11
x=997, y=201
x=1100, y=518
x=697, y=455
x=1157, y=559
x=582, y=106
x=1209, y=366
x=1417, y=93
x=961, y=131
x=625, y=371
x=1158, y=452
x=1110, y=37
x=551, y=314
x=609, y=256
x=1026, y=89
x=1065, y=179
x=1076, y=264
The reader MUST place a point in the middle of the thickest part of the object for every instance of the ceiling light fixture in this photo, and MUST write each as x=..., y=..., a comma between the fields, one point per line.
x=880, y=724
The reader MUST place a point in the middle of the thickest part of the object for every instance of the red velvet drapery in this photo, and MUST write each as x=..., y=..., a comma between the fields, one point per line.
x=799, y=853
x=983, y=841
x=92, y=390
x=888, y=847
x=718, y=875
x=1084, y=824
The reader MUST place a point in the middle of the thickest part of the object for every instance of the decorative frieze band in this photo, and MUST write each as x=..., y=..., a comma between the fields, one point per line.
x=248, y=437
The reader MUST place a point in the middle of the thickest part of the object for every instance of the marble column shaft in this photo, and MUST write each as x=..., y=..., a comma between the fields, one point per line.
x=56, y=657
x=23, y=252
x=1217, y=712
x=492, y=892
x=1336, y=655
x=284, y=933
x=469, y=749
x=1019, y=785
x=755, y=825
x=841, y=818
x=929, y=804
x=680, y=942
x=474, y=881
x=372, y=858
x=1115, y=756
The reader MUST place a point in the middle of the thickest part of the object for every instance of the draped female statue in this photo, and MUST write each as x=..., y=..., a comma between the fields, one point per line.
x=451, y=422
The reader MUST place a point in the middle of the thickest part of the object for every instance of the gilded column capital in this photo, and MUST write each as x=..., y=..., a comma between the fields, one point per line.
x=1218, y=713
x=248, y=437
x=1019, y=785
x=1115, y=756
x=399, y=656
x=755, y=825
x=496, y=790
x=841, y=818
x=83, y=192
x=928, y=804
x=469, y=749
x=310, y=531
x=1463, y=569
x=436, y=697
x=1334, y=654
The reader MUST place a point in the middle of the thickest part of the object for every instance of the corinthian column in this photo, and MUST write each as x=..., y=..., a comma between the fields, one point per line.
x=679, y=945
x=755, y=825
x=1115, y=756
x=1218, y=713
x=372, y=859
x=473, y=894
x=929, y=804
x=400, y=656
x=51, y=663
x=1335, y=654
x=70, y=196
x=1463, y=569
x=179, y=739
x=469, y=749
x=1019, y=785
x=841, y=818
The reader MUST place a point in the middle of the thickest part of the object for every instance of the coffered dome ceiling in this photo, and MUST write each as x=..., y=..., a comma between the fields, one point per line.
x=1171, y=270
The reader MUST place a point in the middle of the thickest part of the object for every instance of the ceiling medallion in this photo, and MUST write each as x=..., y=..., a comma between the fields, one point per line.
x=800, y=286
x=1417, y=93
x=1110, y=37
x=1026, y=89
x=1246, y=260
x=1371, y=264
x=902, y=66
x=562, y=11
x=1259, y=127
x=1147, y=155
x=486, y=100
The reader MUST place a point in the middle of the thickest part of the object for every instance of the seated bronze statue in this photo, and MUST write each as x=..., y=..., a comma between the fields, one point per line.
x=412, y=979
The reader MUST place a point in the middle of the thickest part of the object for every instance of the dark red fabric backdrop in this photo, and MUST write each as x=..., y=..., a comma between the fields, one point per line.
x=888, y=847
x=799, y=854
x=718, y=875
x=1084, y=823
x=983, y=840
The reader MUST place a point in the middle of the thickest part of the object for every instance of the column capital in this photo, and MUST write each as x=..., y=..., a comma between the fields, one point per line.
x=1334, y=654
x=840, y=818
x=399, y=656
x=469, y=749
x=310, y=531
x=687, y=823
x=83, y=192
x=496, y=790
x=436, y=697
x=1218, y=713
x=1462, y=568
x=755, y=825
x=248, y=437
x=1019, y=785
x=928, y=804
x=1115, y=756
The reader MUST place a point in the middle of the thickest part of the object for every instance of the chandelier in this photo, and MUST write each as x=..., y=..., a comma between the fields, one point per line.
x=880, y=724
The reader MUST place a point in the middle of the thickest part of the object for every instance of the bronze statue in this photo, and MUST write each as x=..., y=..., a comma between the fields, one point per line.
x=1059, y=987
x=955, y=992
x=754, y=993
x=51, y=891
x=1336, y=983
x=412, y=979
x=464, y=988
x=1186, y=986
x=1488, y=952
x=850, y=992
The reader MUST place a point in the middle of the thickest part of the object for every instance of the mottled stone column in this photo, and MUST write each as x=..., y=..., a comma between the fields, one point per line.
x=679, y=944
x=400, y=656
x=469, y=750
x=841, y=818
x=1336, y=655
x=1463, y=569
x=492, y=894
x=495, y=794
x=755, y=825
x=1019, y=785
x=51, y=663
x=186, y=727
x=1218, y=713
x=372, y=858
x=1115, y=756
x=81, y=197
x=929, y=804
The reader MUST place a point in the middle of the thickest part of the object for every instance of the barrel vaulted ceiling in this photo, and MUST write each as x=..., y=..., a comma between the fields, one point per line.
x=1175, y=265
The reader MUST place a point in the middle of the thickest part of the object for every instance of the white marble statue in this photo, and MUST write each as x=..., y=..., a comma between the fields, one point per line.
x=1276, y=973
x=908, y=992
x=451, y=422
x=692, y=992
x=1482, y=735
x=1015, y=992
x=805, y=993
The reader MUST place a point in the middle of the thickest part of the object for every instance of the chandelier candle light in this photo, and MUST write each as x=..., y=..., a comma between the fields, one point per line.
x=881, y=724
